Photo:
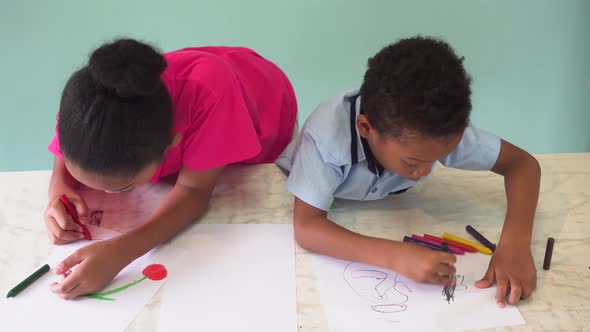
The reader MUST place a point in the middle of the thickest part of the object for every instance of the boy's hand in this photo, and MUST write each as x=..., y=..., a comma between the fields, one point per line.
x=99, y=263
x=60, y=225
x=512, y=267
x=425, y=265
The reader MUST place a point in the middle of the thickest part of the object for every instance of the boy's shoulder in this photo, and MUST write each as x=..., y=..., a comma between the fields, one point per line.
x=329, y=127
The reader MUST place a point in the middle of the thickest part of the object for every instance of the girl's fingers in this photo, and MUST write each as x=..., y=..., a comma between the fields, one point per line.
x=63, y=218
x=59, y=234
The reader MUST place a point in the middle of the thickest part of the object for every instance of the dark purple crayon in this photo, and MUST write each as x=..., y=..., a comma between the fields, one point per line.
x=548, y=253
x=480, y=238
x=426, y=244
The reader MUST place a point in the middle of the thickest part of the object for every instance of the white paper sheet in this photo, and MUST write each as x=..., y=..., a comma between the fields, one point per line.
x=360, y=297
x=38, y=309
x=240, y=278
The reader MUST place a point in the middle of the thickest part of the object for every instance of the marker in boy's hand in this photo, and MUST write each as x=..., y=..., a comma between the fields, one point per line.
x=424, y=265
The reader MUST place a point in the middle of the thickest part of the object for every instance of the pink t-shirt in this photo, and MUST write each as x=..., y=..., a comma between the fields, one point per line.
x=230, y=105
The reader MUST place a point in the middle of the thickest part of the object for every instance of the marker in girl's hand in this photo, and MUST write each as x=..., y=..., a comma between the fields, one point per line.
x=72, y=212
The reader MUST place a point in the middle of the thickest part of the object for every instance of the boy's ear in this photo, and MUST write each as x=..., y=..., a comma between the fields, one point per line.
x=363, y=125
x=175, y=140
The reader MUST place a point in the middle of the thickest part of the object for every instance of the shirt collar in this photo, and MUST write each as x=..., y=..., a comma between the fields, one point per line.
x=363, y=150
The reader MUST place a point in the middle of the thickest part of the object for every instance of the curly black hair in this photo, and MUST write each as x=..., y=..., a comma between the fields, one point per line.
x=417, y=84
x=115, y=115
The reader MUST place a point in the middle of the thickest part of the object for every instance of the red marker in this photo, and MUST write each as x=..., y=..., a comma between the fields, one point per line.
x=450, y=247
x=72, y=211
x=456, y=244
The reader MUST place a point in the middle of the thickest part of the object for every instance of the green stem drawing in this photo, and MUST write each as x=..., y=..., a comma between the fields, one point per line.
x=102, y=296
x=153, y=272
x=98, y=297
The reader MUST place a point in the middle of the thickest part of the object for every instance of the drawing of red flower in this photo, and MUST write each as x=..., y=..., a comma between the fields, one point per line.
x=155, y=272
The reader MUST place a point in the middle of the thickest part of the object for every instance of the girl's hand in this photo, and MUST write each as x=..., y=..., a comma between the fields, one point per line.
x=425, y=265
x=99, y=263
x=61, y=227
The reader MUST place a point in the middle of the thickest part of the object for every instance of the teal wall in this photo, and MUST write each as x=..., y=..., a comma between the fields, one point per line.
x=529, y=59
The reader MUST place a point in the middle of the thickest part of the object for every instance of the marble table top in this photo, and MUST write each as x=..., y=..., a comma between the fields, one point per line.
x=446, y=202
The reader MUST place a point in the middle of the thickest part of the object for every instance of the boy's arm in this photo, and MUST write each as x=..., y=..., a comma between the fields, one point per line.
x=512, y=264
x=313, y=231
x=100, y=262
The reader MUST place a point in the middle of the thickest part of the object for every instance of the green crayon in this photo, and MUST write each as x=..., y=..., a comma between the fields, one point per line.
x=27, y=282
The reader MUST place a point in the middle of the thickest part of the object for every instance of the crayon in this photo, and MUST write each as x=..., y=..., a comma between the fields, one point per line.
x=548, y=253
x=480, y=238
x=28, y=281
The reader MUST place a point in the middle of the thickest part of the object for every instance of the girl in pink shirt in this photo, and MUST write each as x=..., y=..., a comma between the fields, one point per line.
x=132, y=116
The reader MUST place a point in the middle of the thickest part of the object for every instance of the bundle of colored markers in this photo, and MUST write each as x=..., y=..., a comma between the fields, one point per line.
x=453, y=243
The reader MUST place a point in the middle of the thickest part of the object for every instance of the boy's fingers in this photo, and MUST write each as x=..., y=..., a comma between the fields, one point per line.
x=446, y=270
x=438, y=279
x=515, y=292
x=447, y=258
x=502, y=284
x=487, y=280
x=527, y=289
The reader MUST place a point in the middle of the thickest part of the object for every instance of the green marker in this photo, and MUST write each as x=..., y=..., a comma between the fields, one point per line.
x=27, y=282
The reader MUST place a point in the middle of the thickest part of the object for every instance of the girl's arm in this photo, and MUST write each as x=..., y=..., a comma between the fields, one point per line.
x=187, y=201
x=60, y=227
x=101, y=261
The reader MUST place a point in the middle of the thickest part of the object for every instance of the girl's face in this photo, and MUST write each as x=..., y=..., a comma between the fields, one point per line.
x=112, y=184
x=412, y=155
x=115, y=184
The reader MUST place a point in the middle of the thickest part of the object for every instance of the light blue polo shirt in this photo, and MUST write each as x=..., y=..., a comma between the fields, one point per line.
x=321, y=166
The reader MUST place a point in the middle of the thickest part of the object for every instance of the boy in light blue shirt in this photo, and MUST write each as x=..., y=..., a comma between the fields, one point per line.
x=384, y=138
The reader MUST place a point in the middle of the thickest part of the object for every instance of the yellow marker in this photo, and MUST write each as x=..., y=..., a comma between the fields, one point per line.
x=478, y=247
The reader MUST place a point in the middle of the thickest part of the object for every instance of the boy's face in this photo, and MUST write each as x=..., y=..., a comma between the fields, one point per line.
x=410, y=155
